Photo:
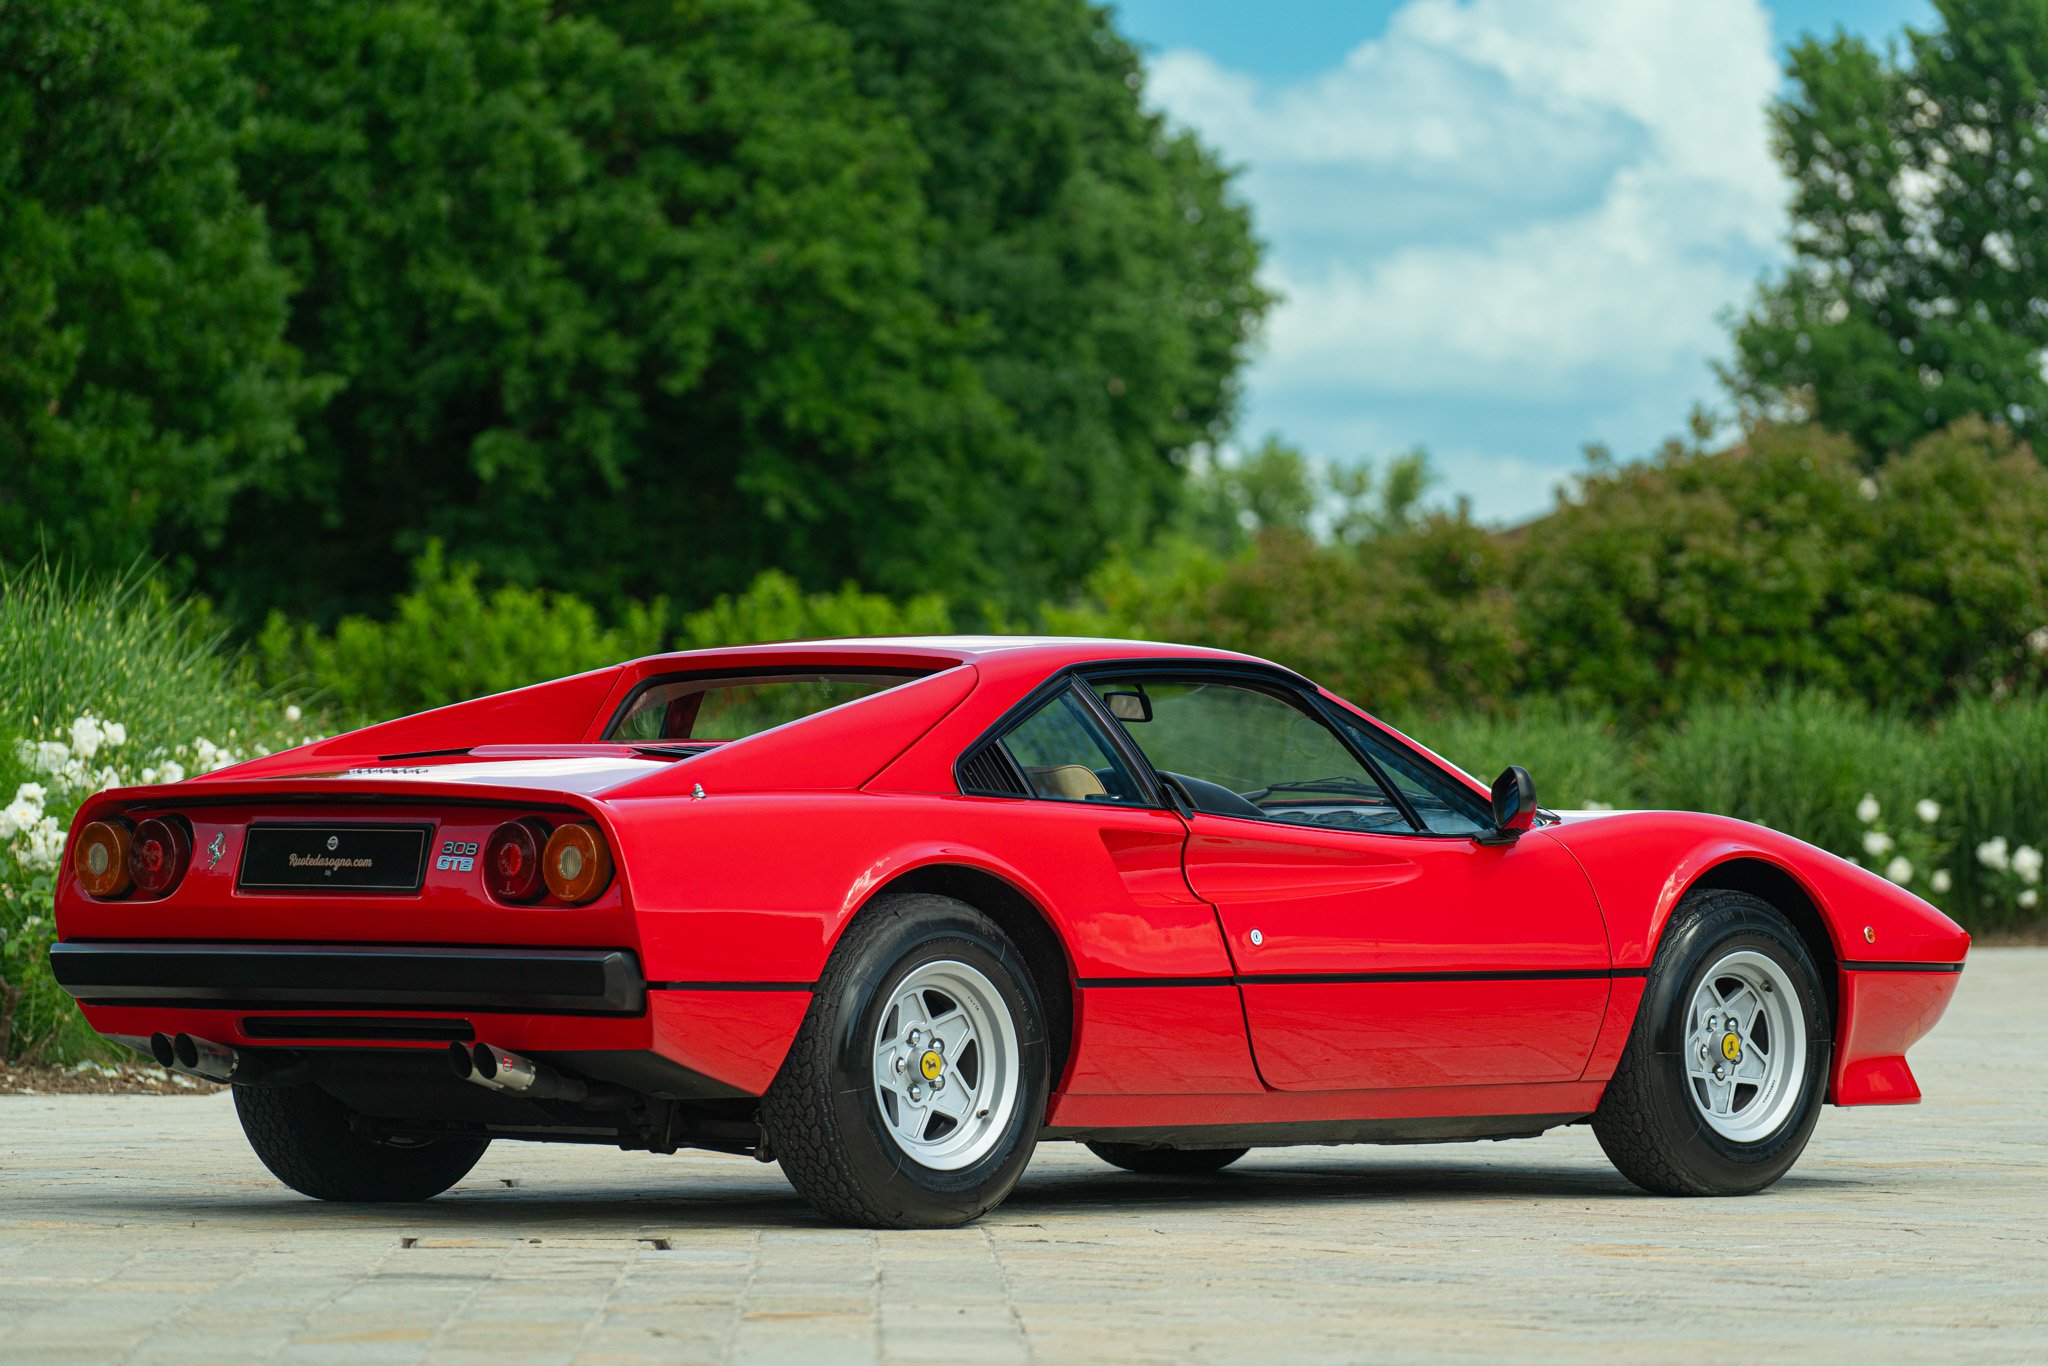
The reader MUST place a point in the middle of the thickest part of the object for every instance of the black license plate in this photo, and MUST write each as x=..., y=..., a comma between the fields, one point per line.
x=337, y=858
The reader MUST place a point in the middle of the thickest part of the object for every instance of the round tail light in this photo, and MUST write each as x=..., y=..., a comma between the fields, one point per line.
x=512, y=860
x=576, y=864
x=158, y=853
x=100, y=860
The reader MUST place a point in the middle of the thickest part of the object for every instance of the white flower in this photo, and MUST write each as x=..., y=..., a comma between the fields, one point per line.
x=1941, y=881
x=1868, y=810
x=1900, y=870
x=86, y=736
x=2026, y=861
x=45, y=844
x=48, y=755
x=1992, y=854
x=292, y=713
x=7, y=825
x=2030, y=898
x=1867, y=487
x=1927, y=810
x=2037, y=640
x=171, y=772
x=114, y=734
x=1876, y=843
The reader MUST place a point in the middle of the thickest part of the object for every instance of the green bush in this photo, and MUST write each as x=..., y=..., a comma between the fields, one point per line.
x=100, y=685
x=449, y=640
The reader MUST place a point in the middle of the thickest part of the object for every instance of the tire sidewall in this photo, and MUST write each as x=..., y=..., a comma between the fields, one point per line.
x=880, y=1165
x=1691, y=948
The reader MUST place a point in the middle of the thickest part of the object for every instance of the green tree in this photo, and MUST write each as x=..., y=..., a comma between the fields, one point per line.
x=1919, y=289
x=1100, y=255
x=627, y=298
x=144, y=379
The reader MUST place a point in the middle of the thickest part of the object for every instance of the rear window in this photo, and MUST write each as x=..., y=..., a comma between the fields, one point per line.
x=728, y=707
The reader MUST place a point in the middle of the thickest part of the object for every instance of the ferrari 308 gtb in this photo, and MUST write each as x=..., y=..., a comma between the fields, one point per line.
x=891, y=912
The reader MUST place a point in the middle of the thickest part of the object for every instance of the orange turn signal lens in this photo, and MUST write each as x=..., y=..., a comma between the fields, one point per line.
x=100, y=859
x=576, y=864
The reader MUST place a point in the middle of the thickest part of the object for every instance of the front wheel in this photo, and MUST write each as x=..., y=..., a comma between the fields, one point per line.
x=1726, y=1067
x=307, y=1140
x=913, y=1095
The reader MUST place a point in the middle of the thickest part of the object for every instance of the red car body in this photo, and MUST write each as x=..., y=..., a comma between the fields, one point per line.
x=1201, y=972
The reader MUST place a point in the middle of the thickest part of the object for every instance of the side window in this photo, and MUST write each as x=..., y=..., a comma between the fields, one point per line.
x=1447, y=807
x=1065, y=757
x=1238, y=751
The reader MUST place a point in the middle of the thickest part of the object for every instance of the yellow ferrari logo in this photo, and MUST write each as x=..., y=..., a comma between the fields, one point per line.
x=1731, y=1047
x=931, y=1064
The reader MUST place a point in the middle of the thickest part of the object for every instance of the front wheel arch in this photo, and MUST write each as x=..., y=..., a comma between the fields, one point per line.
x=1772, y=884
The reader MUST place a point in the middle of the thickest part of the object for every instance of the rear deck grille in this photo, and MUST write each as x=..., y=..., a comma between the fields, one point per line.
x=344, y=1027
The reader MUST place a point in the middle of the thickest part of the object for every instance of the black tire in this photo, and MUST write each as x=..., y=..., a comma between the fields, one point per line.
x=821, y=1118
x=1647, y=1122
x=304, y=1136
x=1135, y=1157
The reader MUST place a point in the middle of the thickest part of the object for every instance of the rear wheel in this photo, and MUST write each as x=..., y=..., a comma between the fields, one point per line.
x=1726, y=1067
x=1135, y=1157
x=306, y=1139
x=913, y=1095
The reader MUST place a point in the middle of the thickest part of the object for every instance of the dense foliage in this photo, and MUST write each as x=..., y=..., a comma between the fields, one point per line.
x=144, y=378
x=1919, y=293
x=611, y=297
x=1655, y=586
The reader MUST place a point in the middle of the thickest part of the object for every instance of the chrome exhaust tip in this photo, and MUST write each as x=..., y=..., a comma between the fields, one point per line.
x=202, y=1057
x=500, y=1069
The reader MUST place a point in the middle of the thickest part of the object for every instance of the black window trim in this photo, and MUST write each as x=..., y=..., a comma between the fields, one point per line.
x=1152, y=796
x=1271, y=677
x=1288, y=688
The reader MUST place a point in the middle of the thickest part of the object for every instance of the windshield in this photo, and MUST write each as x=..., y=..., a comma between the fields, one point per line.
x=724, y=707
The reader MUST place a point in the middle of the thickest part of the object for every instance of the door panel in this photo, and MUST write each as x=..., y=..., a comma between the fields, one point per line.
x=1404, y=960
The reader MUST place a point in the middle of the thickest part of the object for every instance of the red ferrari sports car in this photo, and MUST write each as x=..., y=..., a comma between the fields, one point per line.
x=890, y=912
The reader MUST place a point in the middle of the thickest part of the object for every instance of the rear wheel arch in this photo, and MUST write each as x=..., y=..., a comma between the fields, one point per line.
x=1028, y=927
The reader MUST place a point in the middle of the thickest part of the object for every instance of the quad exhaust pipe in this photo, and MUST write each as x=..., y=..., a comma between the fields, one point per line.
x=500, y=1069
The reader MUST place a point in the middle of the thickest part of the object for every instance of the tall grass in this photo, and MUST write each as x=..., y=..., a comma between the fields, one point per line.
x=121, y=648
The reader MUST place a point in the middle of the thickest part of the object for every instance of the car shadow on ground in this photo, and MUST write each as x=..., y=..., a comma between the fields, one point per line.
x=755, y=1198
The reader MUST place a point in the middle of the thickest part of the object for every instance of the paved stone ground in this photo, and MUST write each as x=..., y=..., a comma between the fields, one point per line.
x=141, y=1229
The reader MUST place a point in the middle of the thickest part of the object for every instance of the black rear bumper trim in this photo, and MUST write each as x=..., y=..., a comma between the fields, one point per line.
x=351, y=977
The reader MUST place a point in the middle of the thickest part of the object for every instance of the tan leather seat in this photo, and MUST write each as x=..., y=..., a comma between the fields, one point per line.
x=1070, y=782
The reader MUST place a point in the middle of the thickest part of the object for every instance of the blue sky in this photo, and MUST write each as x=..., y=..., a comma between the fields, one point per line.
x=1505, y=228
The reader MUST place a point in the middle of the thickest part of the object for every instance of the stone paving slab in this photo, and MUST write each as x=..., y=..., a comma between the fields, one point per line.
x=140, y=1229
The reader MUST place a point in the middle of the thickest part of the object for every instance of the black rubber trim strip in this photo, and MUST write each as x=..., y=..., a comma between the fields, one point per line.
x=330, y=977
x=1901, y=967
x=1293, y=979
x=732, y=986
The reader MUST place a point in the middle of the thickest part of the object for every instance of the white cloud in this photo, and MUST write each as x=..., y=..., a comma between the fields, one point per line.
x=1514, y=199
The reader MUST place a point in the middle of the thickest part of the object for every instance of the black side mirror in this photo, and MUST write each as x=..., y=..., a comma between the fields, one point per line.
x=1514, y=806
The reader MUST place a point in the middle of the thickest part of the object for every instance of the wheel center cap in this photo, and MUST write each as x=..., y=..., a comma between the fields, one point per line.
x=932, y=1065
x=1731, y=1047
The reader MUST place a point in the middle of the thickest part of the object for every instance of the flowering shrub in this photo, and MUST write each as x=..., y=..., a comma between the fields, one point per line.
x=65, y=768
x=1920, y=855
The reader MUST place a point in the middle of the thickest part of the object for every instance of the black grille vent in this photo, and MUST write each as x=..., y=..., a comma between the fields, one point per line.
x=989, y=771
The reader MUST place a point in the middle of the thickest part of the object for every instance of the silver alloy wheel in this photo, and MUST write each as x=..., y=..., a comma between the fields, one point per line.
x=1745, y=1047
x=947, y=1065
